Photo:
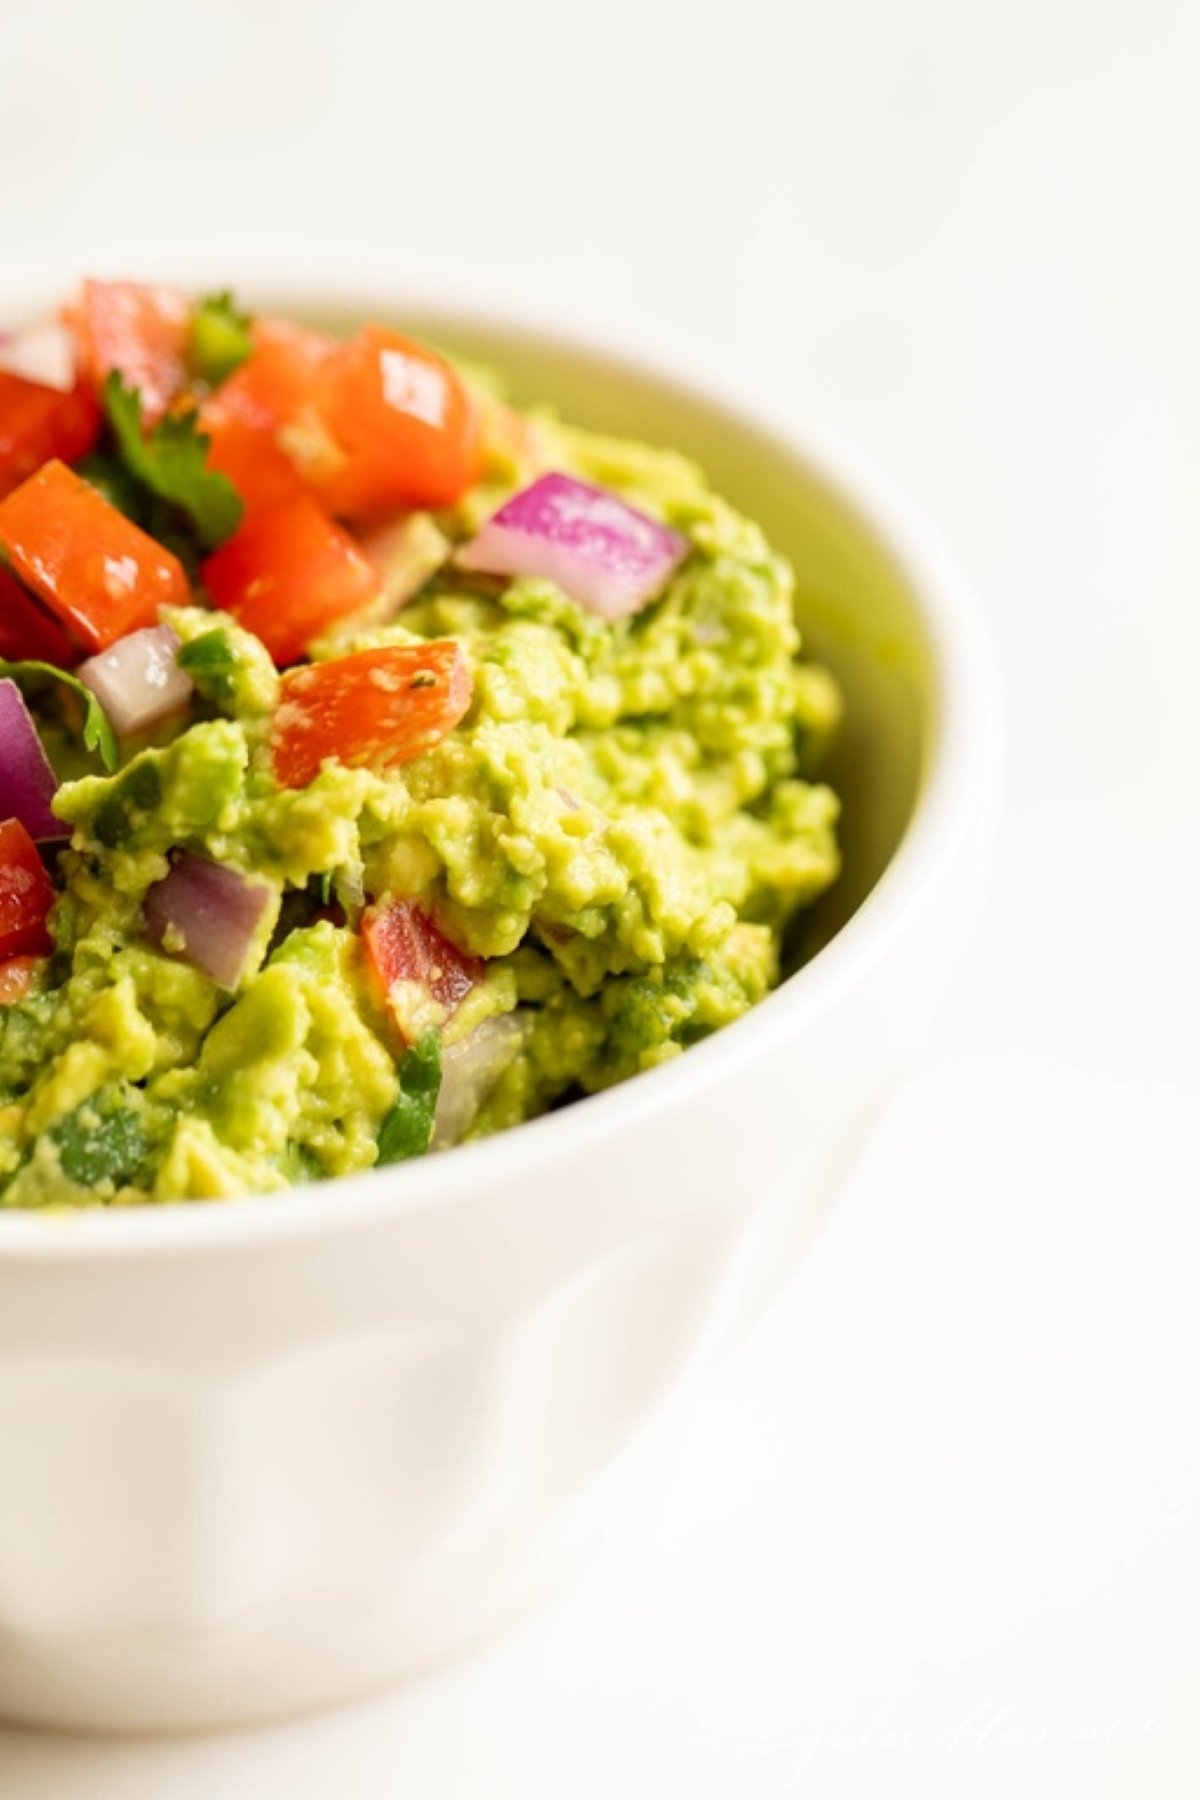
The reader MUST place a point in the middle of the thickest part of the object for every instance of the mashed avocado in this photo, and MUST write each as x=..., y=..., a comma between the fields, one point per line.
x=612, y=839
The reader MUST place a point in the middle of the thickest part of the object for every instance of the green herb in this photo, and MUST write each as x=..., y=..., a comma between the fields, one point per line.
x=210, y=661
x=407, y=1129
x=326, y=888
x=171, y=463
x=111, y=479
x=98, y=734
x=136, y=792
x=102, y=1140
x=218, y=339
x=163, y=521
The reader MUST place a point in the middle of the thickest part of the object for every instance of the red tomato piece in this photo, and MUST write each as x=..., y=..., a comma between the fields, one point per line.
x=405, y=422
x=26, y=895
x=96, y=571
x=250, y=457
x=414, y=964
x=39, y=422
x=28, y=632
x=16, y=978
x=288, y=573
x=274, y=394
x=370, y=425
x=278, y=380
x=375, y=709
x=140, y=330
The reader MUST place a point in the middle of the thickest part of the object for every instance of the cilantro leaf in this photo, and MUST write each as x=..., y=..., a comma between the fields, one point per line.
x=171, y=463
x=98, y=734
x=407, y=1129
x=137, y=791
x=111, y=479
x=218, y=338
x=104, y=1139
x=121, y=488
x=212, y=664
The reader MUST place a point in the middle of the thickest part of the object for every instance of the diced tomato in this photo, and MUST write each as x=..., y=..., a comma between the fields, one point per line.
x=96, y=571
x=251, y=458
x=265, y=432
x=38, y=422
x=26, y=895
x=16, y=978
x=277, y=382
x=288, y=573
x=370, y=425
x=136, y=328
x=275, y=393
x=375, y=709
x=415, y=965
x=278, y=379
x=28, y=632
x=405, y=421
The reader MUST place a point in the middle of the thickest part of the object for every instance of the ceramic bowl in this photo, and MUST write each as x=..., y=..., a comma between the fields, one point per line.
x=263, y=1454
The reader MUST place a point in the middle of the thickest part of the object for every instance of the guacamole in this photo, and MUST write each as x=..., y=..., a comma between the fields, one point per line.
x=450, y=819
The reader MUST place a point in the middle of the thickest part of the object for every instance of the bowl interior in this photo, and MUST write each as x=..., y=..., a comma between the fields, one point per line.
x=858, y=610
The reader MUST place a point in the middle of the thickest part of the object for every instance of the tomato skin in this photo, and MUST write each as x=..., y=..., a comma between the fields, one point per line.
x=278, y=380
x=251, y=458
x=405, y=950
x=26, y=895
x=39, y=422
x=405, y=421
x=374, y=709
x=17, y=978
x=287, y=574
x=370, y=426
x=98, y=573
x=139, y=329
x=265, y=431
x=26, y=632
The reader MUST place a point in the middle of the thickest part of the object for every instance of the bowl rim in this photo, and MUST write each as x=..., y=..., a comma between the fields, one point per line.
x=960, y=775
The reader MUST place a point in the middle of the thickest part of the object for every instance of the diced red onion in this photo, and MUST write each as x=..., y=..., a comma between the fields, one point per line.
x=607, y=555
x=137, y=680
x=208, y=914
x=27, y=782
x=470, y=1070
x=405, y=553
x=43, y=353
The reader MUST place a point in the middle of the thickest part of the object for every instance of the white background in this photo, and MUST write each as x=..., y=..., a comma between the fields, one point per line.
x=936, y=1529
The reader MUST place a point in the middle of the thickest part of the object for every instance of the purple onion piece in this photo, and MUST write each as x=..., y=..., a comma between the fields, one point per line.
x=27, y=782
x=207, y=914
x=137, y=680
x=605, y=554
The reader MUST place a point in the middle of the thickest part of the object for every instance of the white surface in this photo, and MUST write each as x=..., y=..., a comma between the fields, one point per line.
x=935, y=1530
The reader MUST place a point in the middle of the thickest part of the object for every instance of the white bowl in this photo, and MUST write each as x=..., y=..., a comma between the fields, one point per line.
x=263, y=1454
